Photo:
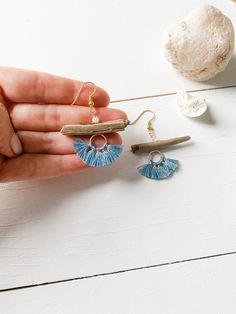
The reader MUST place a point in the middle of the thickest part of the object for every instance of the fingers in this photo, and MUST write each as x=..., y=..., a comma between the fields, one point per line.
x=32, y=166
x=10, y=145
x=53, y=117
x=56, y=143
x=47, y=156
x=23, y=86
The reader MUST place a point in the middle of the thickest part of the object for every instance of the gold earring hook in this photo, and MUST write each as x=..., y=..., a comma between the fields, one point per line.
x=91, y=104
x=150, y=128
x=80, y=89
x=141, y=114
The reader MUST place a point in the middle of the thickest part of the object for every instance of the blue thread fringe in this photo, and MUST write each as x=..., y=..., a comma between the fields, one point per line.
x=96, y=157
x=159, y=170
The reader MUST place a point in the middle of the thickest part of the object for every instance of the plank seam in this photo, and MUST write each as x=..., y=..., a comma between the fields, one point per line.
x=171, y=94
x=194, y=259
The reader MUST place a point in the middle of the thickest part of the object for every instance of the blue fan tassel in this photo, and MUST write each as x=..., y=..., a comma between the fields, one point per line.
x=159, y=170
x=96, y=157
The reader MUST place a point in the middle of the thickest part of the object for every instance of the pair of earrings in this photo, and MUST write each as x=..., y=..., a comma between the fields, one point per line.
x=106, y=154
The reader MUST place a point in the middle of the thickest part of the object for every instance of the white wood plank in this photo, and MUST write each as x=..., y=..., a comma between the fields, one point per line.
x=201, y=287
x=112, y=219
x=117, y=44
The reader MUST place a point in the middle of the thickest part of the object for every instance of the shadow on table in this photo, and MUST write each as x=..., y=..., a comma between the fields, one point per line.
x=227, y=77
x=207, y=118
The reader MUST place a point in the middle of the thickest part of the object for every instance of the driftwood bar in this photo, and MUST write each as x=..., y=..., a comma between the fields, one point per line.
x=158, y=144
x=96, y=128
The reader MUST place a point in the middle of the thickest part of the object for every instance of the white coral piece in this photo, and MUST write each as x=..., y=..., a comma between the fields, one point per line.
x=191, y=106
x=201, y=45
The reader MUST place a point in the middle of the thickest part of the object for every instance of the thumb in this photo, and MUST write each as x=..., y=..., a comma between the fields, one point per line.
x=10, y=144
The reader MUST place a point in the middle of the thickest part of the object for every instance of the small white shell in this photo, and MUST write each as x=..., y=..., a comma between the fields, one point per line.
x=191, y=106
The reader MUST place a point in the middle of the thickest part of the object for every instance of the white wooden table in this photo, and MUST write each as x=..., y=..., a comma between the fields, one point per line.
x=109, y=241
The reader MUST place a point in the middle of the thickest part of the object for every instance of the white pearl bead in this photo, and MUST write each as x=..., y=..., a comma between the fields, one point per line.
x=95, y=119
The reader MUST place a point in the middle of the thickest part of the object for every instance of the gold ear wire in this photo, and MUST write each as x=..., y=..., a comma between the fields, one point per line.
x=77, y=95
x=150, y=128
x=79, y=91
x=90, y=100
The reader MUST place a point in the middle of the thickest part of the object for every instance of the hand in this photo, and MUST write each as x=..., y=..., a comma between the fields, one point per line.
x=38, y=105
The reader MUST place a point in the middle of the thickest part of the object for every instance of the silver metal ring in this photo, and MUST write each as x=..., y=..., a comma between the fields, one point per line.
x=155, y=152
x=101, y=135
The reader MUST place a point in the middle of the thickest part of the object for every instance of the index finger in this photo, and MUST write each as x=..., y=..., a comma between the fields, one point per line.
x=24, y=86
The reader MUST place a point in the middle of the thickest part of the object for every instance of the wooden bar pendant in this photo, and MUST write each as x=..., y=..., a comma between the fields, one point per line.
x=158, y=144
x=96, y=128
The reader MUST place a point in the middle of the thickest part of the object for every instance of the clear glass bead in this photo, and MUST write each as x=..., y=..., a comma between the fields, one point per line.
x=95, y=119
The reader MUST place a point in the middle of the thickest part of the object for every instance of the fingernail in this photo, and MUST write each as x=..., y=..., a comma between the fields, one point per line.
x=16, y=145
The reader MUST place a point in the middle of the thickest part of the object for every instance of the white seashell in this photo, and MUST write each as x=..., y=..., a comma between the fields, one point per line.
x=191, y=106
x=201, y=45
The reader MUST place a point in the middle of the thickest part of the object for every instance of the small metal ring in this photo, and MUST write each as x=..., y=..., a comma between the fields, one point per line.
x=101, y=135
x=150, y=156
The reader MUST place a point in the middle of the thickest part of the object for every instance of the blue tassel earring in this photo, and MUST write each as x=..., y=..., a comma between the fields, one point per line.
x=97, y=156
x=158, y=170
x=87, y=151
x=164, y=167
